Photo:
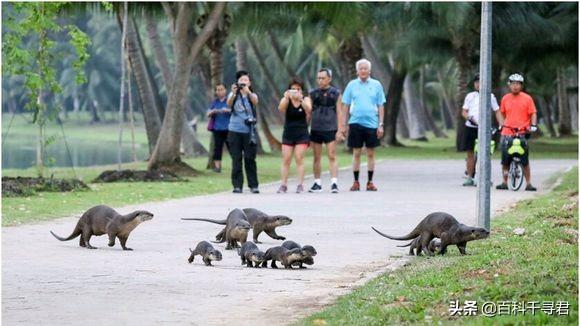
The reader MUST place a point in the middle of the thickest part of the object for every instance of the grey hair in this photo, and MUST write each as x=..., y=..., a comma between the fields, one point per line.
x=361, y=61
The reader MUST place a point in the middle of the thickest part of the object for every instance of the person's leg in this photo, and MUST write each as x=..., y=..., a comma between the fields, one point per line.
x=235, y=145
x=219, y=140
x=287, y=151
x=333, y=164
x=371, y=169
x=470, y=164
x=527, y=174
x=299, y=152
x=250, y=162
x=316, y=165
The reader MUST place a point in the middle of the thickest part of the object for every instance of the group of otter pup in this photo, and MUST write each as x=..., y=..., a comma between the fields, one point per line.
x=235, y=234
x=434, y=233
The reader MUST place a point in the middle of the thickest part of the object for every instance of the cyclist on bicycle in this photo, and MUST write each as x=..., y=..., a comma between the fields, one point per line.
x=471, y=115
x=519, y=112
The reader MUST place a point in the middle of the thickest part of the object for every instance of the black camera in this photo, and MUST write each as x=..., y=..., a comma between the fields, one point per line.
x=240, y=85
x=250, y=121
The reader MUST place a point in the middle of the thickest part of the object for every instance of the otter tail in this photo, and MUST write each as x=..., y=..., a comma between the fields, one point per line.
x=73, y=235
x=222, y=222
x=408, y=244
x=409, y=236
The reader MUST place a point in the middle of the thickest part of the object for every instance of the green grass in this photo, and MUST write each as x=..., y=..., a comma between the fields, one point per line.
x=44, y=206
x=541, y=265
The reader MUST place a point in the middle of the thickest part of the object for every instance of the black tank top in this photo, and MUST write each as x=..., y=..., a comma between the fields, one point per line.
x=295, y=117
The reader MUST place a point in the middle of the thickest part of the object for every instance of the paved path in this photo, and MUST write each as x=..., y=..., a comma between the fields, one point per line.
x=49, y=282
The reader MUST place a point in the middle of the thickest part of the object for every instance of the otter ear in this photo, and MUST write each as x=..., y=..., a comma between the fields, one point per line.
x=472, y=230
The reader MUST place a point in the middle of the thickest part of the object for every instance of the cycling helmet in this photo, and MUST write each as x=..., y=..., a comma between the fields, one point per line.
x=516, y=78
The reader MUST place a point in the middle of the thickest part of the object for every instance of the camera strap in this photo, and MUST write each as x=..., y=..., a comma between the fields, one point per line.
x=244, y=106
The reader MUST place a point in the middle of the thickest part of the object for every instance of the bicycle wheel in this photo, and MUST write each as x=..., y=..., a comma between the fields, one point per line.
x=515, y=176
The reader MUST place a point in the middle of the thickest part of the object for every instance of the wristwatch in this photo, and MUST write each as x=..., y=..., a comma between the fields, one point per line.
x=381, y=124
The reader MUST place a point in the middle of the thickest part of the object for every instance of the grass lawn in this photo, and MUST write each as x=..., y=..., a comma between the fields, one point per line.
x=44, y=206
x=541, y=265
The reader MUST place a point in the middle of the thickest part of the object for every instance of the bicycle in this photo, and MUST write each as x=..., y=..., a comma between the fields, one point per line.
x=517, y=148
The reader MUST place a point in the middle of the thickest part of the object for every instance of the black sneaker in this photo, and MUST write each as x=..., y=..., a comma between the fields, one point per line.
x=315, y=188
x=334, y=188
x=529, y=187
x=237, y=190
x=254, y=190
x=502, y=186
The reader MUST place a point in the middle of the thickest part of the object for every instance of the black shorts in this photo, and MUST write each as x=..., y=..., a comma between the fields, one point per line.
x=293, y=137
x=469, y=137
x=359, y=136
x=322, y=137
x=506, y=158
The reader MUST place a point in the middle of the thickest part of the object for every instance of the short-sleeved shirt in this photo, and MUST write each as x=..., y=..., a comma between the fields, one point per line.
x=471, y=104
x=241, y=110
x=364, y=99
x=324, y=109
x=517, y=110
x=222, y=120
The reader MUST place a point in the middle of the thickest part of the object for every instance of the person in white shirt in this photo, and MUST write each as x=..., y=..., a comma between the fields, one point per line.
x=471, y=115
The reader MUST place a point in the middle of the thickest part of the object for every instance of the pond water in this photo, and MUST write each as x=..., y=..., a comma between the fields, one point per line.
x=20, y=153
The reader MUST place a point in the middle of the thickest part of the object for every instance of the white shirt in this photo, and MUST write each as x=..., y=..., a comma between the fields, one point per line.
x=471, y=104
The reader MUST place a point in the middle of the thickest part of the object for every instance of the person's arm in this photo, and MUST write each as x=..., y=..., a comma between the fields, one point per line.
x=499, y=117
x=307, y=105
x=381, y=128
x=232, y=96
x=345, y=117
x=283, y=106
x=464, y=113
x=339, y=116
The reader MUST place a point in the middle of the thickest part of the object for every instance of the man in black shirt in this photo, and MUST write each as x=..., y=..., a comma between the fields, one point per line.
x=326, y=112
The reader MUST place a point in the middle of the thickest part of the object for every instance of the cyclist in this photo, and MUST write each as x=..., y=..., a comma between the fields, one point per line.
x=471, y=115
x=519, y=112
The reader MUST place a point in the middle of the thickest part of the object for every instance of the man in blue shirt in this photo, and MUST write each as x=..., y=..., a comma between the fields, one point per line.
x=363, y=106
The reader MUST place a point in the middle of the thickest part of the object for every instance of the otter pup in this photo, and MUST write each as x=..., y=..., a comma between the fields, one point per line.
x=249, y=253
x=207, y=252
x=103, y=219
x=434, y=245
x=236, y=229
x=307, y=253
x=283, y=255
x=444, y=227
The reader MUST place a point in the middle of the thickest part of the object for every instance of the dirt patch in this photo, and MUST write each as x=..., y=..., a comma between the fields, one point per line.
x=25, y=186
x=136, y=176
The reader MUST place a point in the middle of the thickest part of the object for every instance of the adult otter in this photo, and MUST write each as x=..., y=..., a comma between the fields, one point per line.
x=236, y=229
x=103, y=219
x=434, y=245
x=283, y=255
x=307, y=252
x=444, y=227
x=249, y=253
x=207, y=252
x=259, y=221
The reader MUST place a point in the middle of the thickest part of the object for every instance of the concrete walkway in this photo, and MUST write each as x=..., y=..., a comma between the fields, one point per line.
x=47, y=282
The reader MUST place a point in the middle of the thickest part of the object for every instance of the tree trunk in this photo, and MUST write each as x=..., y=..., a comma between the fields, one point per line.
x=462, y=55
x=264, y=69
x=159, y=51
x=166, y=152
x=403, y=122
x=241, y=54
x=380, y=71
x=414, y=111
x=144, y=87
x=546, y=109
x=430, y=122
x=565, y=121
x=449, y=105
x=94, y=112
x=350, y=51
x=131, y=118
x=394, y=105
x=122, y=95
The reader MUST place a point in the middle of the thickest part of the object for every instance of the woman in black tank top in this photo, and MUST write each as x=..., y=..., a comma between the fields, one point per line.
x=295, y=139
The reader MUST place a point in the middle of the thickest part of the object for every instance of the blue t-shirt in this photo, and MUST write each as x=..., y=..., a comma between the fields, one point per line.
x=242, y=109
x=364, y=100
x=222, y=120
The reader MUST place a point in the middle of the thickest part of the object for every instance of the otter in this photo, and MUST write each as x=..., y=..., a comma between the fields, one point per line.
x=207, y=252
x=307, y=252
x=103, y=219
x=249, y=253
x=434, y=245
x=445, y=227
x=283, y=255
x=236, y=229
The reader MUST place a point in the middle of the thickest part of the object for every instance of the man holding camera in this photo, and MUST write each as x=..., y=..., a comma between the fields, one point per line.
x=242, y=139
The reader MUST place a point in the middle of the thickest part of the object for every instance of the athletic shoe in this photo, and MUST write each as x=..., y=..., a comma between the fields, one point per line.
x=502, y=186
x=529, y=187
x=299, y=189
x=334, y=188
x=282, y=190
x=355, y=186
x=469, y=183
x=255, y=190
x=371, y=186
x=217, y=170
x=237, y=190
x=315, y=188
